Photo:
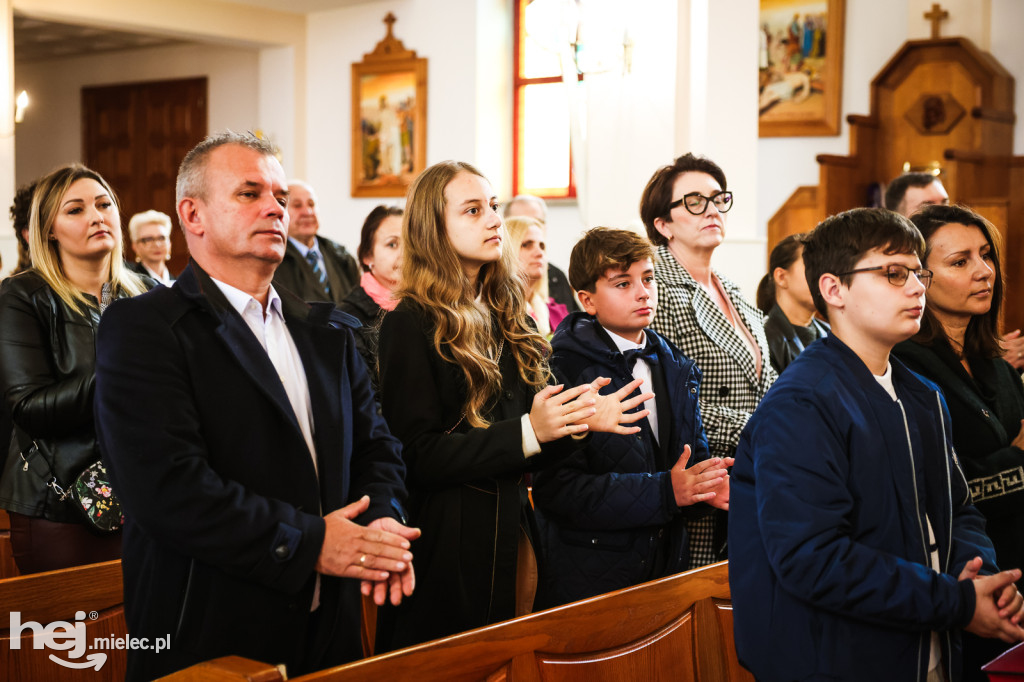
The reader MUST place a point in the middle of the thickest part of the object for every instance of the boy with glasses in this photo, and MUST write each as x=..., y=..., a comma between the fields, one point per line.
x=857, y=552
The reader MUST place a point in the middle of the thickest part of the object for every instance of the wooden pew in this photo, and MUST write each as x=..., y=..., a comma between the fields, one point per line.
x=8, y=569
x=44, y=598
x=677, y=628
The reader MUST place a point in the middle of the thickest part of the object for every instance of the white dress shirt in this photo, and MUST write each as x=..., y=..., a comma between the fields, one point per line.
x=272, y=333
x=641, y=370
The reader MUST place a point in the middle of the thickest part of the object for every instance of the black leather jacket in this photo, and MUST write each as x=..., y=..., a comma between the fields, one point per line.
x=47, y=376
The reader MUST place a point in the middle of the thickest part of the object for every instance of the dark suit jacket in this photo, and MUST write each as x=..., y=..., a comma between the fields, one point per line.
x=223, y=506
x=140, y=269
x=296, y=275
x=560, y=289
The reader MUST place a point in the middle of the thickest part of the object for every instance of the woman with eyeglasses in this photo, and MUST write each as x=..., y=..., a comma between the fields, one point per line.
x=684, y=209
x=958, y=348
x=151, y=241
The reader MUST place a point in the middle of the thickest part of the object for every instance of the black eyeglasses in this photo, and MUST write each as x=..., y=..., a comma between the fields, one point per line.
x=696, y=203
x=146, y=241
x=896, y=274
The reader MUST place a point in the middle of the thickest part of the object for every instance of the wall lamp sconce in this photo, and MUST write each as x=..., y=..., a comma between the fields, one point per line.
x=20, y=104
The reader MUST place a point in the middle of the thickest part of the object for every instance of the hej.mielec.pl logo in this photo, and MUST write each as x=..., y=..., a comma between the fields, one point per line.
x=61, y=635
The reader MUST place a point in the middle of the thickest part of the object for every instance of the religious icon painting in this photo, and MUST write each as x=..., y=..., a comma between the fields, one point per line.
x=800, y=67
x=389, y=119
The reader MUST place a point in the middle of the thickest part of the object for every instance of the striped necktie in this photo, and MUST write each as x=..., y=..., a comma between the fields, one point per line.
x=313, y=257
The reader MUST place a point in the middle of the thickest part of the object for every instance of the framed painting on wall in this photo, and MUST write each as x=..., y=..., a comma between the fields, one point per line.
x=389, y=119
x=800, y=67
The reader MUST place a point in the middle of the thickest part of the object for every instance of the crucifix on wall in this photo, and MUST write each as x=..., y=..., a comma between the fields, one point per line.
x=937, y=15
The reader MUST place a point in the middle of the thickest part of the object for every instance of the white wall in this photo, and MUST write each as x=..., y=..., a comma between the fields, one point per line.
x=338, y=38
x=469, y=104
x=875, y=29
x=1008, y=48
x=51, y=133
x=8, y=244
x=723, y=106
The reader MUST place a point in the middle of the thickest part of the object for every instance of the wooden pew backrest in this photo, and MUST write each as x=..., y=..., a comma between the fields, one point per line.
x=677, y=628
x=44, y=598
x=8, y=569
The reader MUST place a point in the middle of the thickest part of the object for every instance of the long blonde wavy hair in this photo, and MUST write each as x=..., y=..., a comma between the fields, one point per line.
x=433, y=276
x=45, y=251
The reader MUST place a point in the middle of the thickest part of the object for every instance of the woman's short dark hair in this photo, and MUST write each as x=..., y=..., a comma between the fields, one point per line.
x=658, y=192
x=783, y=256
x=369, y=231
x=982, y=337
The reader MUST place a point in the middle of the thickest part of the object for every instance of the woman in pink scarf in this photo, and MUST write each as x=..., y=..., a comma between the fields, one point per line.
x=380, y=255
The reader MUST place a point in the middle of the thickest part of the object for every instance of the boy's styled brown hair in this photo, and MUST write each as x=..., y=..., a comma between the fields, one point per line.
x=602, y=248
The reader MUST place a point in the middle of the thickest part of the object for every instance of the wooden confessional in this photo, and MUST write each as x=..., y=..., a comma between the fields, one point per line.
x=941, y=105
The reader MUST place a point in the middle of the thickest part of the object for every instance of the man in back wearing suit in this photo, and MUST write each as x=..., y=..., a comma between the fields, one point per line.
x=314, y=268
x=239, y=427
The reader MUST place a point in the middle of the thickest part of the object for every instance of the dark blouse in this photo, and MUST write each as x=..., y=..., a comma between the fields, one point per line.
x=986, y=409
x=359, y=305
x=787, y=340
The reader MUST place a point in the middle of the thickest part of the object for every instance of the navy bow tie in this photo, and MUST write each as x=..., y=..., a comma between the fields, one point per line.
x=647, y=353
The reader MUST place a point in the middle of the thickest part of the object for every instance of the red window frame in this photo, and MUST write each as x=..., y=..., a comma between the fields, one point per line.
x=519, y=84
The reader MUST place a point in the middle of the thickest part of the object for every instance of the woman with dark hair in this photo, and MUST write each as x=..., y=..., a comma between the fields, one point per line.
x=48, y=320
x=380, y=256
x=684, y=208
x=20, y=210
x=783, y=295
x=958, y=348
x=464, y=386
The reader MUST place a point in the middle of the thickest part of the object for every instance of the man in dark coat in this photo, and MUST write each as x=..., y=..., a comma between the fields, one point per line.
x=241, y=435
x=314, y=267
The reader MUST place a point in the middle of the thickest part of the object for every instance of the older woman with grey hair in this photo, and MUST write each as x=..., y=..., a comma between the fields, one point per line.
x=150, y=232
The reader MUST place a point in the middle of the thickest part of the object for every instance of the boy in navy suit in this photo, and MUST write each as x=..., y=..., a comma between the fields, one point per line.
x=612, y=514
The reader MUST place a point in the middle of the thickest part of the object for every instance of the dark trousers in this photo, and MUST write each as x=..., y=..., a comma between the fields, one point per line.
x=41, y=545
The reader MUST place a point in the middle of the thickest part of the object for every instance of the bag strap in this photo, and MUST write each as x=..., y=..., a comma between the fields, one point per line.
x=42, y=469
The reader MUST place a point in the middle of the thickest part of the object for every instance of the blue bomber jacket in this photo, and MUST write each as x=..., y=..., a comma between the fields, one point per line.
x=607, y=513
x=828, y=534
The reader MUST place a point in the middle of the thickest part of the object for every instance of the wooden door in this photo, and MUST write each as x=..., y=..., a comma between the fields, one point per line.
x=135, y=135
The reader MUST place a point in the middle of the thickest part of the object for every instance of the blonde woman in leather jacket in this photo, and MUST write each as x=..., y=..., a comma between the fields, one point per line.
x=48, y=320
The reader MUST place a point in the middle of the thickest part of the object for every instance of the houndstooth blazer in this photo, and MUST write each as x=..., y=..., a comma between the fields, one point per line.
x=686, y=316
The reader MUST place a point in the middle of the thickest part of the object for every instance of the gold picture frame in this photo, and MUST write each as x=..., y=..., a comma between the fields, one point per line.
x=389, y=118
x=800, y=58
